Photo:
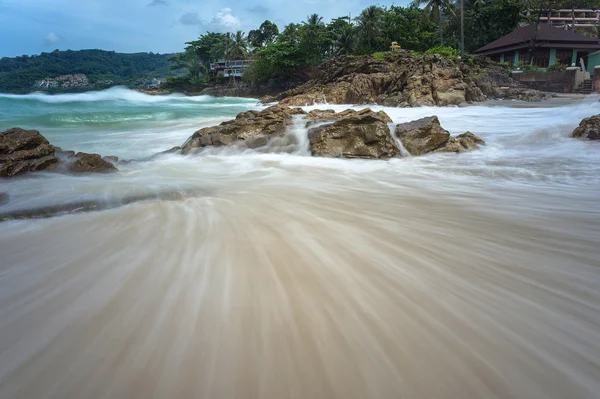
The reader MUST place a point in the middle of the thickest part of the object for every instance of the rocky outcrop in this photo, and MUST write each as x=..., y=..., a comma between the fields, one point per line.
x=356, y=135
x=89, y=163
x=23, y=151
x=589, y=128
x=426, y=135
x=407, y=80
x=253, y=128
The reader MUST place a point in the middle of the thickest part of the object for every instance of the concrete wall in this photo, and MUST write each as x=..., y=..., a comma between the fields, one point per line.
x=545, y=81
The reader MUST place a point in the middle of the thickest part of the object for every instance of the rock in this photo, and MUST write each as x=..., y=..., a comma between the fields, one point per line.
x=270, y=122
x=111, y=159
x=461, y=143
x=89, y=163
x=24, y=151
x=63, y=154
x=589, y=128
x=407, y=80
x=358, y=136
x=330, y=114
x=422, y=136
x=3, y=198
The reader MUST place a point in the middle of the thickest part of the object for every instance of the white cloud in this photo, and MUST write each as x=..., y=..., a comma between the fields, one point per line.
x=51, y=38
x=226, y=20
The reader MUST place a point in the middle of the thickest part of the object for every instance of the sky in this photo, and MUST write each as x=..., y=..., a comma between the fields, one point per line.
x=160, y=26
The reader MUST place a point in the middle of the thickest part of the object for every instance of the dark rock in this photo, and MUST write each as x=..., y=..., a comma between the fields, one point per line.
x=89, y=163
x=270, y=122
x=24, y=151
x=3, y=198
x=358, y=136
x=422, y=136
x=331, y=115
x=589, y=128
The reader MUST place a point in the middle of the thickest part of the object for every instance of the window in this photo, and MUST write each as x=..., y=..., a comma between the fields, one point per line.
x=524, y=56
x=564, y=57
x=509, y=57
x=541, y=58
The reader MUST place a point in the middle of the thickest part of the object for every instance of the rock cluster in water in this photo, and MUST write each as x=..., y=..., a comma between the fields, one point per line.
x=348, y=134
x=589, y=128
x=405, y=80
x=23, y=151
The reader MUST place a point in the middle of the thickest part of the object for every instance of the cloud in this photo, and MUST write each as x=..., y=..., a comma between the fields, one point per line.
x=51, y=38
x=224, y=20
x=157, y=3
x=191, y=18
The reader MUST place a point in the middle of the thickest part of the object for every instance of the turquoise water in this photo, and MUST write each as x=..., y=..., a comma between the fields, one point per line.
x=93, y=121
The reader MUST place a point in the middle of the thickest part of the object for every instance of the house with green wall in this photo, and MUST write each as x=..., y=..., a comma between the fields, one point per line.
x=550, y=45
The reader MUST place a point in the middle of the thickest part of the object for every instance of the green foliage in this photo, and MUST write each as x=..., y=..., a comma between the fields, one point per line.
x=557, y=67
x=444, y=50
x=267, y=33
x=381, y=55
x=18, y=74
x=526, y=67
x=275, y=61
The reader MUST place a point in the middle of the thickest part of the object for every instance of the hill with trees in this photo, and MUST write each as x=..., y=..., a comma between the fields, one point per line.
x=102, y=68
x=288, y=56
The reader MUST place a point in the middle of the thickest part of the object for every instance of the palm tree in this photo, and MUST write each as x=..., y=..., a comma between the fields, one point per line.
x=345, y=42
x=314, y=20
x=435, y=8
x=236, y=45
x=368, y=23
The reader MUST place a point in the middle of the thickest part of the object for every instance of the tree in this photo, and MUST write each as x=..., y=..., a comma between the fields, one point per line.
x=204, y=46
x=409, y=27
x=314, y=20
x=236, y=45
x=368, y=22
x=197, y=71
x=345, y=42
x=435, y=9
x=267, y=33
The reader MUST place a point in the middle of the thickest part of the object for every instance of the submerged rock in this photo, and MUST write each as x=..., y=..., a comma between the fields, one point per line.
x=427, y=135
x=24, y=151
x=247, y=126
x=589, y=128
x=360, y=135
x=89, y=163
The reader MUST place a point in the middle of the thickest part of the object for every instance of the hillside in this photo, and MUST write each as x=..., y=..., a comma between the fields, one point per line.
x=102, y=69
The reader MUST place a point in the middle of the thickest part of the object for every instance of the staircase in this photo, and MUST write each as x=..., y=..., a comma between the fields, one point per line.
x=585, y=87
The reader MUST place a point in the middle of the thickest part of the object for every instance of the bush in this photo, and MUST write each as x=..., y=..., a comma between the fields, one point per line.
x=525, y=67
x=415, y=53
x=558, y=67
x=444, y=50
x=381, y=55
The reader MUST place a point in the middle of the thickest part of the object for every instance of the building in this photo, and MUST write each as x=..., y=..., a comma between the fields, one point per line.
x=231, y=68
x=566, y=18
x=552, y=45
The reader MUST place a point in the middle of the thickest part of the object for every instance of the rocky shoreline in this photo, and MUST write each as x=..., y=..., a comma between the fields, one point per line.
x=406, y=80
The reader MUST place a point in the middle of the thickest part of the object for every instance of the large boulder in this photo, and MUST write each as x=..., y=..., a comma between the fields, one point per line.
x=329, y=114
x=422, y=135
x=589, y=128
x=357, y=136
x=426, y=135
x=24, y=151
x=250, y=126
